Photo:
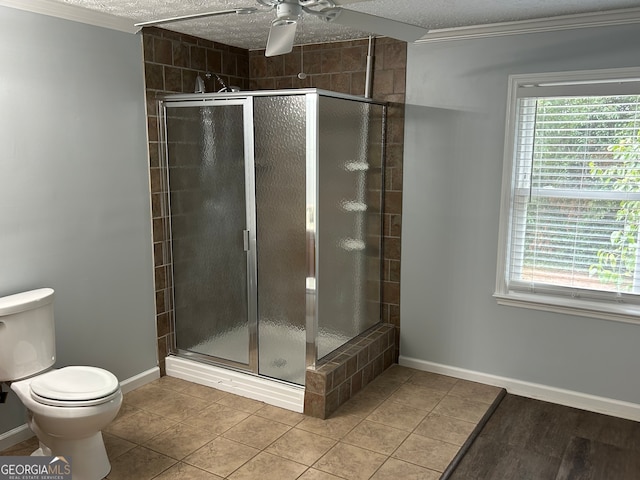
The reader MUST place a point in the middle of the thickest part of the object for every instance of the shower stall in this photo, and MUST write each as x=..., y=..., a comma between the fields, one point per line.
x=275, y=226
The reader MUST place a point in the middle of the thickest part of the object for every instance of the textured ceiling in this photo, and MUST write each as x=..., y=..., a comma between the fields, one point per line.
x=251, y=31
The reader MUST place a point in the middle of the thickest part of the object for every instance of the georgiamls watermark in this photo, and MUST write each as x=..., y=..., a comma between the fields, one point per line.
x=35, y=468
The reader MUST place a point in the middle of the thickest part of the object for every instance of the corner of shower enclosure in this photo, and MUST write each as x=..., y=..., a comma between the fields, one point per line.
x=349, y=182
x=315, y=163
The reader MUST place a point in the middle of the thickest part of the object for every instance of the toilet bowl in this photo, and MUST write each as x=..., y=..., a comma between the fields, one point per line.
x=67, y=409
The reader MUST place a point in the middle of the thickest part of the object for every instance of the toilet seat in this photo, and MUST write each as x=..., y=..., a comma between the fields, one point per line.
x=76, y=386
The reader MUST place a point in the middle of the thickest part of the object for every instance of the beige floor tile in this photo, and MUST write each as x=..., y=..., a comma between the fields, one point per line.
x=433, y=381
x=313, y=474
x=174, y=429
x=266, y=466
x=126, y=410
x=146, y=397
x=397, y=415
x=475, y=391
x=256, y=432
x=241, y=403
x=447, y=429
x=362, y=404
x=382, y=386
x=416, y=396
x=216, y=418
x=334, y=427
x=399, y=373
x=376, y=436
x=203, y=392
x=139, y=427
x=281, y=415
x=221, y=456
x=183, y=471
x=178, y=406
x=426, y=452
x=350, y=462
x=180, y=440
x=171, y=383
x=394, y=469
x=139, y=464
x=458, y=407
x=301, y=446
x=116, y=446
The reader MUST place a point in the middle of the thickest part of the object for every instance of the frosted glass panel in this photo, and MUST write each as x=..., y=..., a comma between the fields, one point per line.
x=207, y=183
x=349, y=220
x=317, y=174
x=280, y=164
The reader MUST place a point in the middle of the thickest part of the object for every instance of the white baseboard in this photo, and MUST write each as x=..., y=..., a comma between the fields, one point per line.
x=569, y=398
x=15, y=436
x=246, y=385
x=23, y=432
x=140, y=379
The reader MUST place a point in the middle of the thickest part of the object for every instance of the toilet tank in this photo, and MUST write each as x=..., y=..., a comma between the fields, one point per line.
x=27, y=334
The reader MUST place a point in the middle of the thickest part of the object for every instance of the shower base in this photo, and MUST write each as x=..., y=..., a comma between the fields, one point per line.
x=334, y=380
x=282, y=349
x=266, y=390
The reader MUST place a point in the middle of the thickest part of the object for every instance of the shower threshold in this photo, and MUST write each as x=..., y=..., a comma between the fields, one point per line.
x=272, y=392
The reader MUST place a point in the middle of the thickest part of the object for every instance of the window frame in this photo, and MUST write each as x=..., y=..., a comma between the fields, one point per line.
x=576, y=83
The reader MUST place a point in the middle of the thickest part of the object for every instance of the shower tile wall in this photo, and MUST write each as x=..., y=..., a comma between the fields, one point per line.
x=172, y=62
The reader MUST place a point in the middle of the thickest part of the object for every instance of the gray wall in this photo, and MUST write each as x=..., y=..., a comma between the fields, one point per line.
x=74, y=189
x=454, y=136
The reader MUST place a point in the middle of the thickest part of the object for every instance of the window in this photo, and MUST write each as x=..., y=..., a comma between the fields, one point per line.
x=569, y=238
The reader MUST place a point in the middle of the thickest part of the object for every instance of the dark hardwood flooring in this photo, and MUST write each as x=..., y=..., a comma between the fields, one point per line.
x=528, y=439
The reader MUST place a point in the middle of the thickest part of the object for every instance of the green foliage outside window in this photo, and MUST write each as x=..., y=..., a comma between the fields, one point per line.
x=618, y=263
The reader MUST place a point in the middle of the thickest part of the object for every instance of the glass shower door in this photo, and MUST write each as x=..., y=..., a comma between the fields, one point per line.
x=281, y=150
x=211, y=185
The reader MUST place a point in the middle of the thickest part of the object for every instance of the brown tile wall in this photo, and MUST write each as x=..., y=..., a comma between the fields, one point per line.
x=344, y=372
x=172, y=62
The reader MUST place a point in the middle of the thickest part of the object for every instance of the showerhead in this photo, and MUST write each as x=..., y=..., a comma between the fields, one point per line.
x=200, y=88
x=225, y=88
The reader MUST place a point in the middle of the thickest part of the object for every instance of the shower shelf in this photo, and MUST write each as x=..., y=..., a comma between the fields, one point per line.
x=356, y=167
x=352, y=245
x=353, y=206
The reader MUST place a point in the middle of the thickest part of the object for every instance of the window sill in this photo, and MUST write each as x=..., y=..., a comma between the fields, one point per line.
x=617, y=312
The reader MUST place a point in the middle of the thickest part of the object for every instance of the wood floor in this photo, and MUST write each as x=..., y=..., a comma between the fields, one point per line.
x=528, y=439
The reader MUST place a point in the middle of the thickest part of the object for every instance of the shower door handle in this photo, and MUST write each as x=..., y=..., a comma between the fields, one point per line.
x=245, y=238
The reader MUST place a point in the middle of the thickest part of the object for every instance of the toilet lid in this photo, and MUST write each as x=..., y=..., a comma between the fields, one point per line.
x=75, y=384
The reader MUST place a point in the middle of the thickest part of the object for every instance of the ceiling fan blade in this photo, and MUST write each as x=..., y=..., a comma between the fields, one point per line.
x=193, y=16
x=280, y=39
x=383, y=26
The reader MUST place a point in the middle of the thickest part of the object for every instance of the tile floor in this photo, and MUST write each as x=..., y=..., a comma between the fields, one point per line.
x=406, y=424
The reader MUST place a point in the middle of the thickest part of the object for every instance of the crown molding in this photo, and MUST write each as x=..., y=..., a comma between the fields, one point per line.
x=564, y=22
x=73, y=13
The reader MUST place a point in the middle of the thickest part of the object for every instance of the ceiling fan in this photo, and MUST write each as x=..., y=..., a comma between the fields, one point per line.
x=288, y=12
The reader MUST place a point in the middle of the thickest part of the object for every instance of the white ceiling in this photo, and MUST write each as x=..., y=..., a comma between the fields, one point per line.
x=250, y=31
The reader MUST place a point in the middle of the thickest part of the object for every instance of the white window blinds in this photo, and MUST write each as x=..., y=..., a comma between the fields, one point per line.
x=575, y=193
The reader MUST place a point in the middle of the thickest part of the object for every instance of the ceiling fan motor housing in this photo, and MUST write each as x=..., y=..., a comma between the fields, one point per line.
x=288, y=12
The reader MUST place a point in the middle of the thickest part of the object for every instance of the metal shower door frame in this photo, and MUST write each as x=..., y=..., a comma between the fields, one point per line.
x=249, y=236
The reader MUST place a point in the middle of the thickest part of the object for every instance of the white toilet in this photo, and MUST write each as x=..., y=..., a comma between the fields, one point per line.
x=67, y=407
